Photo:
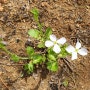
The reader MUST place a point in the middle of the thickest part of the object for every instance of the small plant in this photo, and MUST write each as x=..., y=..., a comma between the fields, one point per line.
x=54, y=48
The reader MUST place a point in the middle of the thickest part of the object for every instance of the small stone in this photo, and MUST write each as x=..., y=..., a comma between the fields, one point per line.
x=0, y=72
x=1, y=8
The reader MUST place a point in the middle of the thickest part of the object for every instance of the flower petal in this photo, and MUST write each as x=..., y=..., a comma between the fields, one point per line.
x=74, y=55
x=53, y=37
x=56, y=48
x=70, y=49
x=78, y=45
x=83, y=51
x=61, y=40
x=49, y=43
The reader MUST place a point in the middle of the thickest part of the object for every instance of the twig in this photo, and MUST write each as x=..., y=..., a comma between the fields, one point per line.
x=71, y=68
x=68, y=64
x=4, y=83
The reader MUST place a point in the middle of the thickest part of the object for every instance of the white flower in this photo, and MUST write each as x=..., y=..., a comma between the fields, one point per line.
x=54, y=42
x=78, y=49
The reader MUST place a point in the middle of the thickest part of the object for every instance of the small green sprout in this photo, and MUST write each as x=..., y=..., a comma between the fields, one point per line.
x=65, y=83
x=35, y=13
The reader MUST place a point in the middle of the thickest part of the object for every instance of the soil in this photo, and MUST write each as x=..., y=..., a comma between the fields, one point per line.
x=68, y=18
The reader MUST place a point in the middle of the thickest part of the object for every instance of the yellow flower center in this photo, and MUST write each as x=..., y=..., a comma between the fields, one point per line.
x=76, y=50
x=55, y=42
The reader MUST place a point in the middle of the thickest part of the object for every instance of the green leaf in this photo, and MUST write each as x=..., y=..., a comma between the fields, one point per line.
x=50, y=51
x=34, y=33
x=30, y=50
x=29, y=67
x=53, y=66
x=1, y=45
x=37, y=58
x=15, y=58
x=51, y=57
x=41, y=45
x=43, y=58
x=35, y=13
x=65, y=83
x=63, y=52
x=48, y=32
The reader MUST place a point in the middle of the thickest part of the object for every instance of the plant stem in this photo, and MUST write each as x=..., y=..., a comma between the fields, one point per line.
x=24, y=58
x=6, y=51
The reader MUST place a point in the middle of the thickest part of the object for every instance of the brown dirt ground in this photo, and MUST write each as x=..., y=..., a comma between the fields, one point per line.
x=68, y=18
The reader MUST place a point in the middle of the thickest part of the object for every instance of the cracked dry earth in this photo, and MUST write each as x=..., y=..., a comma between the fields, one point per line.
x=68, y=18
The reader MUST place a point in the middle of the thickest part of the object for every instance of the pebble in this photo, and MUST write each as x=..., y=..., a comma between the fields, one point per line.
x=1, y=8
